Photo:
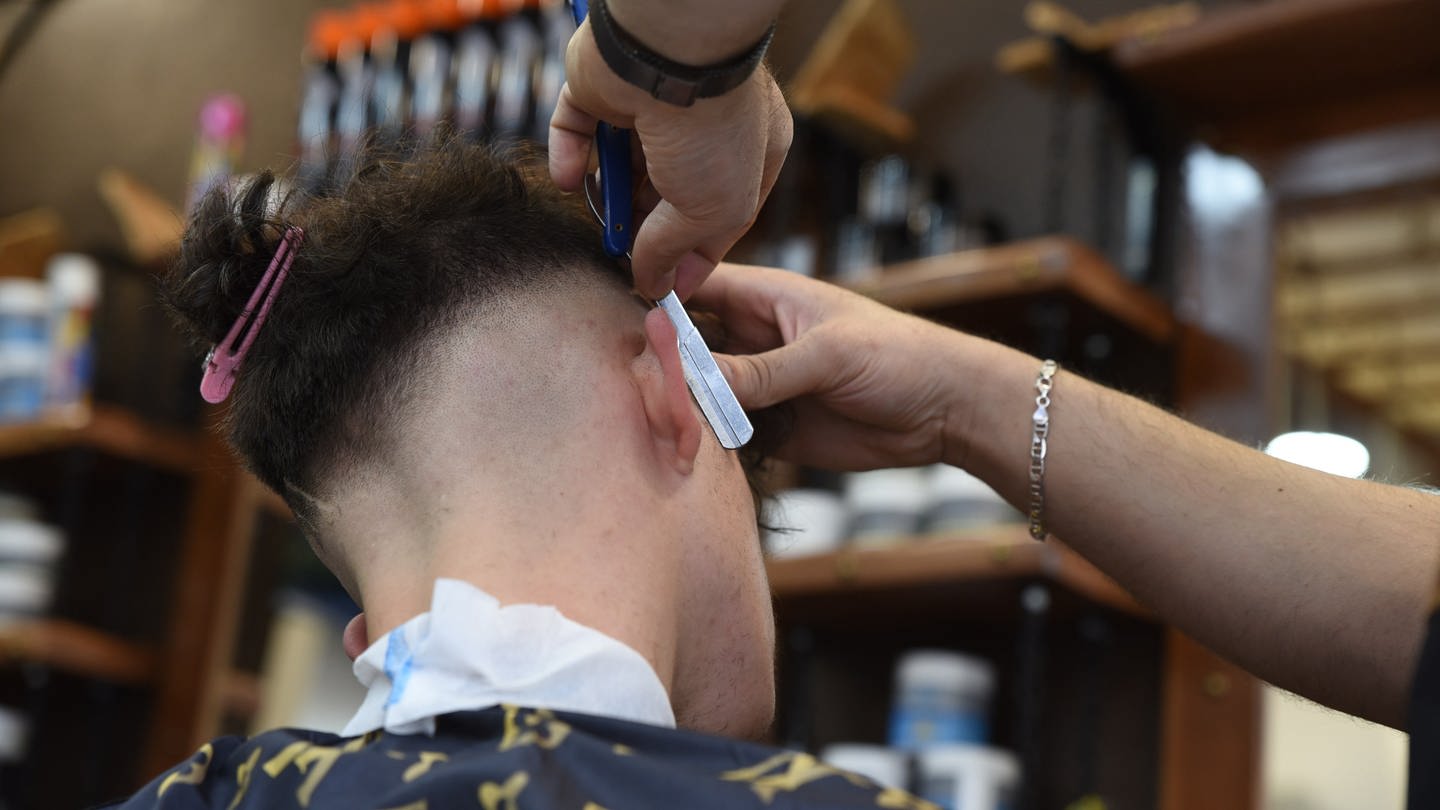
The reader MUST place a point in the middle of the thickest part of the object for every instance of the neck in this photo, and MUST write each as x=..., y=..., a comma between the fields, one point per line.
x=593, y=552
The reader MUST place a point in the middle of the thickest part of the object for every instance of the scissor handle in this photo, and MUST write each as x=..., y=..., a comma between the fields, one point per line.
x=613, y=144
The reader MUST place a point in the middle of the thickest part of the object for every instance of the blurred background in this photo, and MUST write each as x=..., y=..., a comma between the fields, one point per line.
x=1229, y=208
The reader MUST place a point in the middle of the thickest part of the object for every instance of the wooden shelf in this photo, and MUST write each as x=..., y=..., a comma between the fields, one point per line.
x=1034, y=58
x=1001, y=553
x=1047, y=264
x=852, y=73
x=77, y=649
x=109, y=430
x=1262, y=77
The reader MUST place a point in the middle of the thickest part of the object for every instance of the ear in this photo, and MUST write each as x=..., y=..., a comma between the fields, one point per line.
x=356, y=638
x=669, y=411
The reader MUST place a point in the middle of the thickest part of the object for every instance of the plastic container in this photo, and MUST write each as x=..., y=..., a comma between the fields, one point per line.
x=74, y=282
x=29, y=542
x=431, y=61
x=29, y=551
x=557, y=25
x=219, y=143
x=887, y=506
x=518, y=62
x=14, y=506
x=24, y=592
x=14, y=732
x=24, y=348
x=960, y=501
x=941, y=698
x=886, y=767
x=812, y=521
x=475, y=58
x=24, y=308
x=22, y=383
x=353, y=113
x=856, y=254
x=969, y=777
x=329, y=31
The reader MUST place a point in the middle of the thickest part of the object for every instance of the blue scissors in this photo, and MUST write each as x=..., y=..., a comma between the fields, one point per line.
x=722, y=410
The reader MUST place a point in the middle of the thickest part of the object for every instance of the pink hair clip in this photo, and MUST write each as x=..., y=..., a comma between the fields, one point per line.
x=224, y=360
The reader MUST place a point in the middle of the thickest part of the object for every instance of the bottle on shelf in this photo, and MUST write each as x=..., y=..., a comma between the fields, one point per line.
x=354, y=113
x=887, y=767
x=857, y=252
x=74, y=290
x=518, y=62
x=557, y=25
x=934, y=218
x=431, y=63
x=885, y=206
x=398, y=24
x=941, y=698
x=380, y=71
x=805, y=521
x=219, y=143
x=29, y=553
x=329, y=32
x=959, y=501
x=968, y=777
x=24, y=348
x=475, y=63
x=886, y=506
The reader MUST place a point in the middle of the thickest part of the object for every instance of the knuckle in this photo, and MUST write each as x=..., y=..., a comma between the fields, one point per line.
x=764, y=375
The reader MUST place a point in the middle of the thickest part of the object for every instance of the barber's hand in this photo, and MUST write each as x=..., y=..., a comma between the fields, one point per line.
x=712, y=164
x=872, y=387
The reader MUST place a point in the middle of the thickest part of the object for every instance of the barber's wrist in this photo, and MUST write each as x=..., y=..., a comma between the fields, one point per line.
x=693, y=33
x=611, y=98
x=990, y=398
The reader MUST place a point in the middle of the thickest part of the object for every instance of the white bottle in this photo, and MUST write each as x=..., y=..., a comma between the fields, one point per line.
x=74, y=281
x=969, y=777
x=941, y=698
x=24, y=348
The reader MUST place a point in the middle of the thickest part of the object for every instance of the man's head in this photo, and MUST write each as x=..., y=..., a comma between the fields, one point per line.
x=456, y=381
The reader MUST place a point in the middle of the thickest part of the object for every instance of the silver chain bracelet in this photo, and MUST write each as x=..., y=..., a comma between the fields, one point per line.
x=1039, y=442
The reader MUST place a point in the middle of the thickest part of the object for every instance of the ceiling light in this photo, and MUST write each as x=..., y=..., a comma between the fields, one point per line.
x=1326, y=452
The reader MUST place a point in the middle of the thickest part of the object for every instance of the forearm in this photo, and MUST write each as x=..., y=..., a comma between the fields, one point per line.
x=1317, y=583
x=692, y=32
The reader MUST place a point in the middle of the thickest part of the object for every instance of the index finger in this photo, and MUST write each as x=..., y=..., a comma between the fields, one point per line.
x=572, y=130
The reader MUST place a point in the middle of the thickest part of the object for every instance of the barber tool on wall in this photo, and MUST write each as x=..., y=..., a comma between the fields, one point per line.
x=722, y=410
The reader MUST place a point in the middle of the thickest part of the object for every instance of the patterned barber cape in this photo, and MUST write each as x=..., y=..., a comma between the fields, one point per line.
x=510, y=758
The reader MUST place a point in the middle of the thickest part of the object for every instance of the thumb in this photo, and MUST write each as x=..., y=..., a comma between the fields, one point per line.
x=762, y=380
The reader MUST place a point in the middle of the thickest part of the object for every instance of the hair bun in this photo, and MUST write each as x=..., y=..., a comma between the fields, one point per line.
x=230, y=239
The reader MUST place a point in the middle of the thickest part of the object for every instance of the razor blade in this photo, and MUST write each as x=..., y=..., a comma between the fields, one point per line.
x=722, y=410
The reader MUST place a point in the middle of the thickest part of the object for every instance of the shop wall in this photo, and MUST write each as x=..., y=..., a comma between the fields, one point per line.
x=119, y=83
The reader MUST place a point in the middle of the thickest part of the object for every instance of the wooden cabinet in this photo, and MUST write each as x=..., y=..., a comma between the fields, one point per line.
x=113, y=679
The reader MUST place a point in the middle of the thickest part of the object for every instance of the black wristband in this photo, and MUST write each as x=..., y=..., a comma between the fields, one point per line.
x=668, y=81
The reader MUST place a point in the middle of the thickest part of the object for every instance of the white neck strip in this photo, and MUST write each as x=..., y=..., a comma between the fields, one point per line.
x=470, y=652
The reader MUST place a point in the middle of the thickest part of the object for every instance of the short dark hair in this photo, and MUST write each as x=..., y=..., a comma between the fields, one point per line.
x=389, y=260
